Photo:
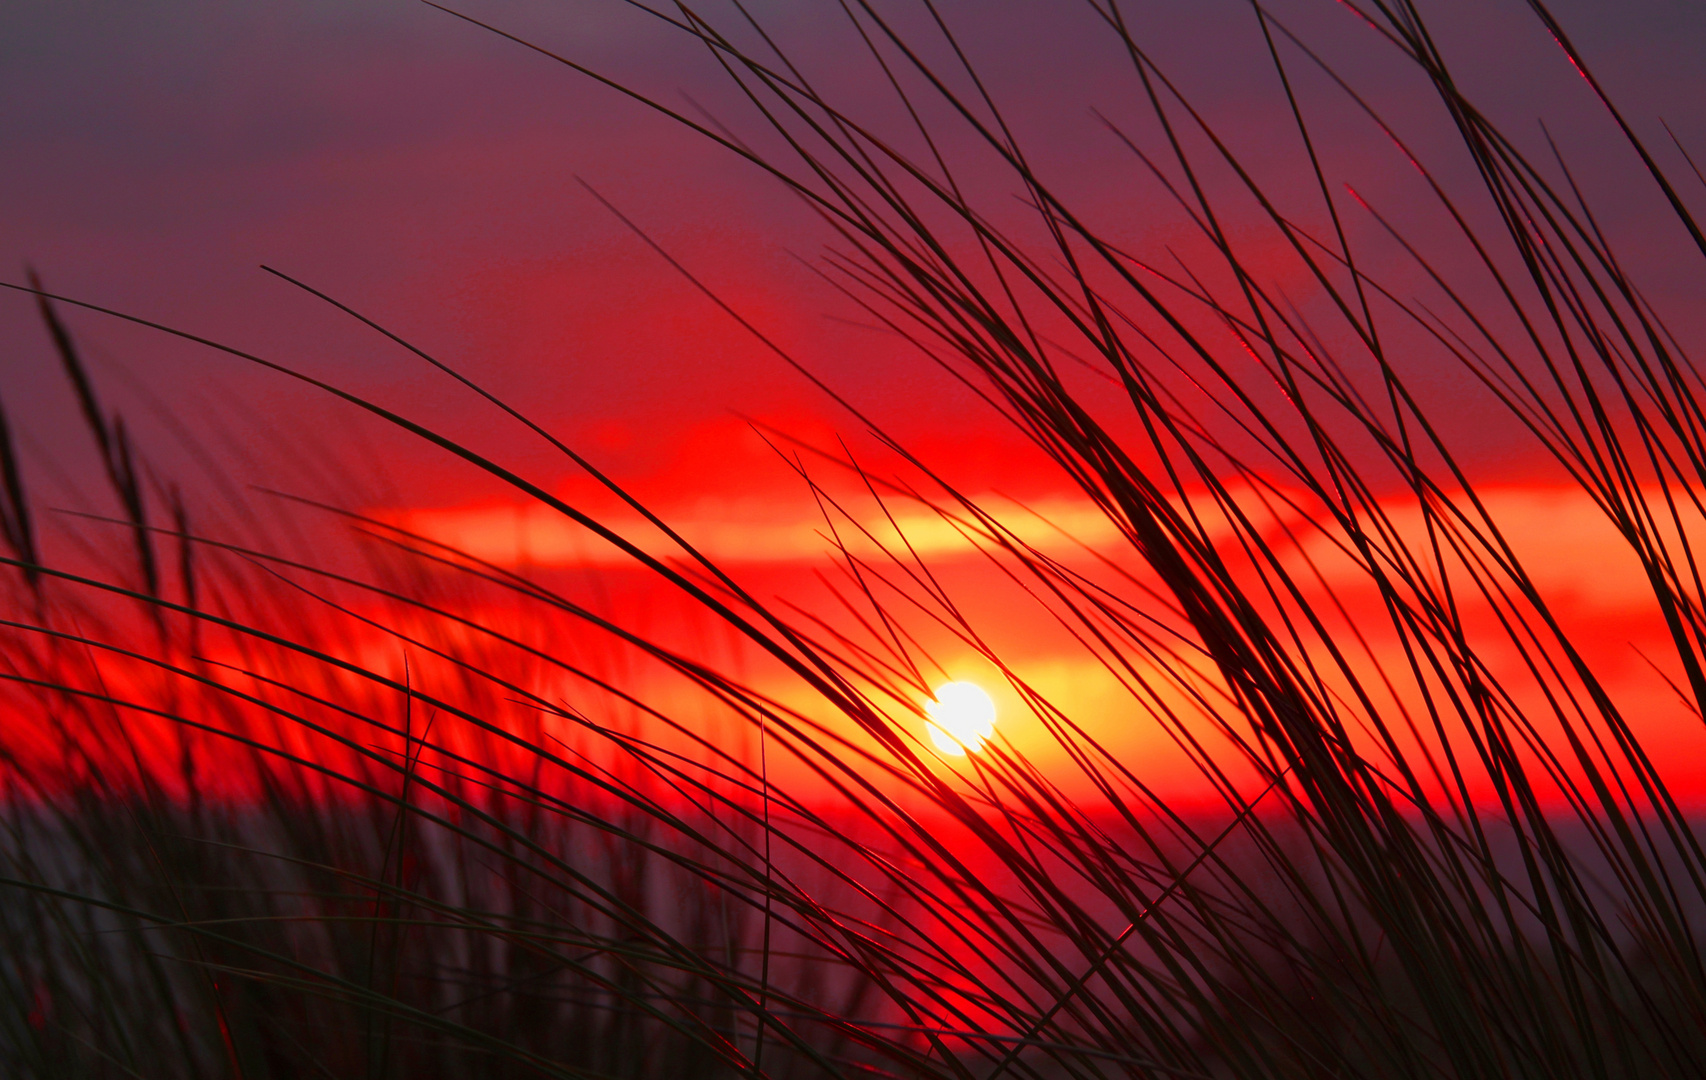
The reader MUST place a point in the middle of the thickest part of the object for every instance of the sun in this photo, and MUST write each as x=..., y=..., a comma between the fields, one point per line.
x=961, y=718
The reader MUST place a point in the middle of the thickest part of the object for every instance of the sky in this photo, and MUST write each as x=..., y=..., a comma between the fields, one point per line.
x=440, y=179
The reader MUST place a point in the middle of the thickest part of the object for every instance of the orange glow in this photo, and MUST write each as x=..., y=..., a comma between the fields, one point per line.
x=1576, y=560
x=1156, y=717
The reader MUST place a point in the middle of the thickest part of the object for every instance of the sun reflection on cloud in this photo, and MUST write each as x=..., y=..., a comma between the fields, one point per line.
x=740, y=532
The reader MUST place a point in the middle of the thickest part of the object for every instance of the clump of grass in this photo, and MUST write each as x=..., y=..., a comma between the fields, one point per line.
x=1424, y=862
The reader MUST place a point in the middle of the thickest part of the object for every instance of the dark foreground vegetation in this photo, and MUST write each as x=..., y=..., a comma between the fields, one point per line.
x=242, y=842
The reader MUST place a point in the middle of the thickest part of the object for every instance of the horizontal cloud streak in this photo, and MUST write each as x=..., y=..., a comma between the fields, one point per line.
x=1565, y=542
x=741, y=531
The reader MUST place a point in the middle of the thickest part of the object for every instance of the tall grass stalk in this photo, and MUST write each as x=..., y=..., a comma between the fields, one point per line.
x=244, y=840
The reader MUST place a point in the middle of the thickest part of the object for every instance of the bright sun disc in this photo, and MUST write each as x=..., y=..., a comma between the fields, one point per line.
x=961, y=717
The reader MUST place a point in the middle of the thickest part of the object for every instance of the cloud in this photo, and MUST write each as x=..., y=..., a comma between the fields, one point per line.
x=743, y=530
x=1563, y=541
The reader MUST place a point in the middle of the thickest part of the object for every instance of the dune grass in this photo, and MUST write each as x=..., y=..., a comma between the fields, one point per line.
x=238, y=845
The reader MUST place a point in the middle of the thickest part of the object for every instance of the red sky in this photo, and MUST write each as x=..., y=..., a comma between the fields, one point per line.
x=425, y=172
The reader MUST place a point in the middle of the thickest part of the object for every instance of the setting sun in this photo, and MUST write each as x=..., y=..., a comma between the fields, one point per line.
x=961, y=717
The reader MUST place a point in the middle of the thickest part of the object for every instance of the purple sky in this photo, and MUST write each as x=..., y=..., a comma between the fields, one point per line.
x=424, y=170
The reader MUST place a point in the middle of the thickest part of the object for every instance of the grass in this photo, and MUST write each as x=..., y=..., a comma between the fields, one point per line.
x=238, y=845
